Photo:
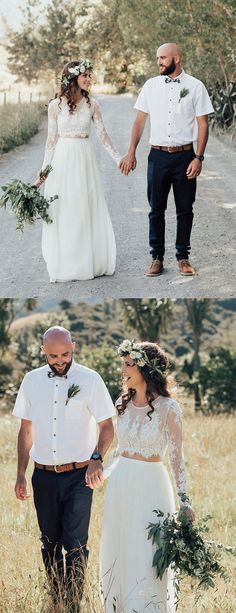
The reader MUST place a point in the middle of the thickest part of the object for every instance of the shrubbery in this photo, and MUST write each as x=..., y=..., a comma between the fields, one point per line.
x=18, y=123
x=217, y=380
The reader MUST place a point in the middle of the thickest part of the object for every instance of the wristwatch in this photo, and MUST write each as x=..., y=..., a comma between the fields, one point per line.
x=199, y=157
x=96, y=456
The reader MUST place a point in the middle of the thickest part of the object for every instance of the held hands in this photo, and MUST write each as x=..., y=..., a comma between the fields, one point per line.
x=194, y=169
x=94, y=476
x=128, y=163
x=21, y=488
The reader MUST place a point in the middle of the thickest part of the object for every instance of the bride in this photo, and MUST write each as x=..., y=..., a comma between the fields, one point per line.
x=148, y=422
x=80, y=243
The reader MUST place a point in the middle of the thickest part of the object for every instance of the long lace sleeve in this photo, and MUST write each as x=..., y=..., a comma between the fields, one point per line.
x=102, y=133
x=52, y=132
x=175, y=449
x=110, y=464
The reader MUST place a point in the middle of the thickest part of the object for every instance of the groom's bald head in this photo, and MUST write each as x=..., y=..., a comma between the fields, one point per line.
x=58, y=348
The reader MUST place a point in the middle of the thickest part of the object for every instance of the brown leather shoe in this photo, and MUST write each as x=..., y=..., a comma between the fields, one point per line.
x=155, y=269
x=186, y=268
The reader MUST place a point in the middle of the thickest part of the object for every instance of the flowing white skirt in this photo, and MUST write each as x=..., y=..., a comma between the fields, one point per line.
x=128, y=581
x=80, y=243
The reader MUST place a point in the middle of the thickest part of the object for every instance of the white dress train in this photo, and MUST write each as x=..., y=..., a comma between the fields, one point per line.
x=135, y=489
x=80, y=243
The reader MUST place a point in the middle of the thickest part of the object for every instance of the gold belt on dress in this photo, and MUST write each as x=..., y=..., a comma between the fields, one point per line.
x=72, y=136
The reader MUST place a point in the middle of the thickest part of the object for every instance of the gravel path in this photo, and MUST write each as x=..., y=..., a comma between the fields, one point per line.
x=23, y=273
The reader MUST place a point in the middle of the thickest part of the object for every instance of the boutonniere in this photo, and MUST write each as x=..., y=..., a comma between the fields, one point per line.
x=72, y=391
x=184, y=92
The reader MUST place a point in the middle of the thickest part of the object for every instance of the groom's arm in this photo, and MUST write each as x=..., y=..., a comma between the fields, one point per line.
x=129, y=161
x=94, y=477
x=25, y=442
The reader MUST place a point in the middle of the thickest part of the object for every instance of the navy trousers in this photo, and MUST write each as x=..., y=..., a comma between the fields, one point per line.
x=63, y=506
x=166, y=170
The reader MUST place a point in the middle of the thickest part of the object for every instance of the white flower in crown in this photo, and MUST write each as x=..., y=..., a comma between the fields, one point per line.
x=125, y=345
x=136, y=353
x=140, y=357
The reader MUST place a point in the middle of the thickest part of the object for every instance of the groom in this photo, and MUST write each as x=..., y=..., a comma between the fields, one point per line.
x=61, y=405
x=178, y=105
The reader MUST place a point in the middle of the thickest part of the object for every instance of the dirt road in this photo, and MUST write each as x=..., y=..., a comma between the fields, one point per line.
x=23, y=273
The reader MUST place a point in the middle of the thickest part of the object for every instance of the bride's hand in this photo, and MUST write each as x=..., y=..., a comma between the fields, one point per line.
x=188, y=512
x=39, y=181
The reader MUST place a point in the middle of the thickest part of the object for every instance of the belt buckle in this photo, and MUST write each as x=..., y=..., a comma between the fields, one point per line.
x=55, y=468
x=170, y=149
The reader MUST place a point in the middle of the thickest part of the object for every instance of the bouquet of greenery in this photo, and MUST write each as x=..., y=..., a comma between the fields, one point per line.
x=180, y=544
x=26, y=201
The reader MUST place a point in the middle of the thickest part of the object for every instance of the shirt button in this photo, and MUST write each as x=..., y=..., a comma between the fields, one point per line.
x=55, y=401
x=54, y=451
x=54, y=418
x=54, y=434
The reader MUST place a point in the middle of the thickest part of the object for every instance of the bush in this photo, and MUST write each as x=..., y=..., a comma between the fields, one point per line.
x=217, y=381
x=18, y=123
x=224, y=103
x=107, y=363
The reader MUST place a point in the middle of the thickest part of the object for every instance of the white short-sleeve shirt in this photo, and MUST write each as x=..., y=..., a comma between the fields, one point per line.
x=63, y=432
x=173, y=116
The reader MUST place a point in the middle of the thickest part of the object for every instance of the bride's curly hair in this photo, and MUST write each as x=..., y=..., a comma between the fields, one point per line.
x=156, y=380
x=69, y=87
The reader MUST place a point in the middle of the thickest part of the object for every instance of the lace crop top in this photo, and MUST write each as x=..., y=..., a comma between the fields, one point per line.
x=138, y=434
x=62, y=123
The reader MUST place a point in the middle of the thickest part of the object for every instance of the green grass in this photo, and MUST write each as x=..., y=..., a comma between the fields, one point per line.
x=18, y=123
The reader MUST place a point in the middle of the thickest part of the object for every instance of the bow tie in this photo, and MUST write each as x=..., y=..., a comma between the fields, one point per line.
x=167, y=80
x=52, y=374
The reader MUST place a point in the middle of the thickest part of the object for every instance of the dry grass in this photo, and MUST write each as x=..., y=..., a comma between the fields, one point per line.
x=18, y=123
x=210, y=458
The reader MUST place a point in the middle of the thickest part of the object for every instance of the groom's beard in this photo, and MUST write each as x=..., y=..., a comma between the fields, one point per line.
x=60, y=373
x=169, y=69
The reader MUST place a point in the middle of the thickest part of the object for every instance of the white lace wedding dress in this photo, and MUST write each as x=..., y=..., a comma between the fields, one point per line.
x=80, y=243
x=135, y=489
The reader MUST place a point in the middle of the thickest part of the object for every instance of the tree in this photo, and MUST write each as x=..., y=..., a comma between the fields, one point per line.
x=198, y=311
x=58, y=35
x=148, y=318
x=23, y=46
x=217, y=381
x=7, y=314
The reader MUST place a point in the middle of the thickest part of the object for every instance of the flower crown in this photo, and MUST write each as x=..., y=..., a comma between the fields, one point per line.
x=140, y=357
x=75, y=71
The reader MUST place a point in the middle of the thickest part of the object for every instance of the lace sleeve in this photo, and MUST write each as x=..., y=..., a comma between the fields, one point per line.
x=52, y=132
x=114, y=456
x=102, y=133
x=174, y=440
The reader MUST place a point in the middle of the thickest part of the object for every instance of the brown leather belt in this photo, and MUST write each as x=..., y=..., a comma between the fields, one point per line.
x=62, y=468
x=187, y=147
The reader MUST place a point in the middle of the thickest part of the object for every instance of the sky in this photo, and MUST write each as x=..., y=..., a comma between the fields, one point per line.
x=10, y=9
